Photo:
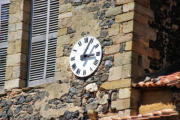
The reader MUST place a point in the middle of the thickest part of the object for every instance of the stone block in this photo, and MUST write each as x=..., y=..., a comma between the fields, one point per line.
x=12, y=27
x=124, y=17
x=14, y=59
x=62, y=64
x=120, y=104
x=113, y=11
x=15, y=35
x=114, y=30
x=63, y=40
x=126, y=71
x=124, y=93
x=128, y=27
x=65, y=22
x=144, y=10
x=122, y=58
x=59, y=50
x=128, y=45
x=16, y=72
x=127, y=112
x=142, y=19
x=62, y=31
x=117, y=84
x=120, y=2
x=115, y=73
x=112, y=49
x=122, y=38
x=128, y=7
x=15, y=83
x=65, y=8
x=142, y=30
x=64, y=76
x=65, y=15
x=9, y=72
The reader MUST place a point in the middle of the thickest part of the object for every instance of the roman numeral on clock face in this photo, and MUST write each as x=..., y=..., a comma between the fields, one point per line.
x=97, y=53
x=91, y=69
x=96, y=46
x=78, y=71
x=74, y=66
x=73, y=58
x=84, y=72
x=79, y=43
x=91, y=41
x=86, y=40
x=96, y=62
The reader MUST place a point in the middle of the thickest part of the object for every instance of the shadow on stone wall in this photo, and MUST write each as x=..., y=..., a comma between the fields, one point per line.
x=166, y=22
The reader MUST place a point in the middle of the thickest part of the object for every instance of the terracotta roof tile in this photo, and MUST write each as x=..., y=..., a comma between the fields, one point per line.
x=166, y=113
x=171, y=80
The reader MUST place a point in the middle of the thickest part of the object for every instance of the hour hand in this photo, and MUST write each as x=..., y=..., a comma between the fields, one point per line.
x=88, y=55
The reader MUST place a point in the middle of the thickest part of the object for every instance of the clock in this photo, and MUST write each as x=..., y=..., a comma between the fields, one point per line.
x=85, y=56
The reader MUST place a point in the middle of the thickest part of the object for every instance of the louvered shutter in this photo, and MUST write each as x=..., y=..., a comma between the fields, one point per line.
x=4, y=16
x=43, y=41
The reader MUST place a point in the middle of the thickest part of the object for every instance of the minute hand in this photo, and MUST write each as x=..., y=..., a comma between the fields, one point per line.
x=87, y=48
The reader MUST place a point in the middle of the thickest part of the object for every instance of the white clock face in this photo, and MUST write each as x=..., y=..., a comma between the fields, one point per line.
x=85, y=56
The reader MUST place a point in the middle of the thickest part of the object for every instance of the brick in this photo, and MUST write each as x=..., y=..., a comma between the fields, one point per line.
x=62, y=31
x=114, y=30
x=115, y=73
x=120, y=2
x=113, y=11
x=128, y=45
x=112, y=49
x=128, y=27
x=128, y=7
x=65, y=15
x=65, y=8
x=124, y=17
x=121, y=104
x=122, y=58
x=122, y=38
x=117, y=84
x=124, y=93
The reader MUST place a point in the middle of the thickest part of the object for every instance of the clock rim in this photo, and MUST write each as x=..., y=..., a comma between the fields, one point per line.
x=96, y=66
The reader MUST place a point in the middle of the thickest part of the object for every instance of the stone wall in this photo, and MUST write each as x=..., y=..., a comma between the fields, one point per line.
x=155, y=41
x=18, y=36
x=129, y=41
x=111, y=22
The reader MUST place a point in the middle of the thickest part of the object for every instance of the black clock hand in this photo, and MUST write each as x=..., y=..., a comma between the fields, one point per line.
x=88, y=55
x=85, y=62
x=82, y=56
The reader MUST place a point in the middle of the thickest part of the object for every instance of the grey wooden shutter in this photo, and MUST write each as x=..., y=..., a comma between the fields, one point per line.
x=4, y=16
x=44, y=37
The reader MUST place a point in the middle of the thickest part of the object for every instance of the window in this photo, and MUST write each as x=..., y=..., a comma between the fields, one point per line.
x=42, y=52
x=4, y=15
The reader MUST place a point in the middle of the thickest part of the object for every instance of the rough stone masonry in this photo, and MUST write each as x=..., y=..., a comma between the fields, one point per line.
x=122, y=27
